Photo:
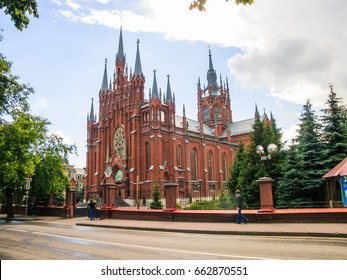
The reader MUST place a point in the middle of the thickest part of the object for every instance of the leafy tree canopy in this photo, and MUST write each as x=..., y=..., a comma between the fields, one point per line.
x=19, y=10
x=13, y=95
x=18, y=140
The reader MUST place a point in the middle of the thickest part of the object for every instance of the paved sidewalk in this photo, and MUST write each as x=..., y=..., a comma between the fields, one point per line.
x=262, y=229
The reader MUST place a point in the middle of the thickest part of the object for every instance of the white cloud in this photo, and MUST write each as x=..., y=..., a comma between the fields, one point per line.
x=290, y=49
x=66, y=140
x=302, y=51
x=290, y=134
x=293, y=49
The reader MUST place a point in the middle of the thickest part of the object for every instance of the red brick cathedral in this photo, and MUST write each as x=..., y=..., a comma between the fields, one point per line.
x=138, y=142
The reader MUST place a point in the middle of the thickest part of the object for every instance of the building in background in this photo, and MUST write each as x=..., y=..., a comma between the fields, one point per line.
x=79, y=175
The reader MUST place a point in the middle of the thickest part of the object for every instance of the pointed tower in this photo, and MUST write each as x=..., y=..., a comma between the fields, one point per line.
x=104, y=85
x=138, y=68
x=170, y=102
x=211, y=76
x=155, y=93
x=120, y=56
x=120, y=62
x=91, y=117
x=214, y=107
x=168, y=91
x=137, y=78
x=256, y=113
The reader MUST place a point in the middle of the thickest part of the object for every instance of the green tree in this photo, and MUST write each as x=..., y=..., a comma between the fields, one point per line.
x=312, y=154
x=237, y=170
x=156, y=202
x=13, y=95
x=19, y=10
x=49, y=174
x=334, y=129
x=288, y=193
x=18, y=140
x=249, y=167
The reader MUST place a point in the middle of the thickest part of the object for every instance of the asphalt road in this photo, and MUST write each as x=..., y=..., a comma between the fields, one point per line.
x=49, y=241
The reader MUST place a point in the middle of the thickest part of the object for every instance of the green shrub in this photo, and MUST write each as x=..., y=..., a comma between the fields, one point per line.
x=156, y=202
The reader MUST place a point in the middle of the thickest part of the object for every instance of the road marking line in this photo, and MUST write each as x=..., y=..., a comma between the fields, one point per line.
x=16, y=229
x=154, y=248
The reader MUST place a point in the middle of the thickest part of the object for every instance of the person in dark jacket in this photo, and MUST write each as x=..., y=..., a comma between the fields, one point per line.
x=91, y=207
x=239, y=204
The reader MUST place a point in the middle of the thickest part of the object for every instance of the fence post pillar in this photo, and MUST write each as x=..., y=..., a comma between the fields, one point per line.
x=170, y=195
x=266, y=200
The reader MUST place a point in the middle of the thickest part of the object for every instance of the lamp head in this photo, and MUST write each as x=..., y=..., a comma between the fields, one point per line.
x=259, y=150
x=272, y=148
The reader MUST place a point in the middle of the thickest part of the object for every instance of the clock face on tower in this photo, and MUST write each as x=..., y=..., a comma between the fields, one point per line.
x=119, y=144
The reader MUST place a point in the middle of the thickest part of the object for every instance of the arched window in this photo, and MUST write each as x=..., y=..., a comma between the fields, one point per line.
x=224, y=167
x=216, y=112
x=194, y=164
x=179, y=156
x=210, y=165
x=148, y=156
x=206, y=113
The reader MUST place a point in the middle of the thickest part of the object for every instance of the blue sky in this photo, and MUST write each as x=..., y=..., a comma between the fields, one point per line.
x=276, y=54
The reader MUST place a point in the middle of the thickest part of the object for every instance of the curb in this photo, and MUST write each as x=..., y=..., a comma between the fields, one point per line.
x=225, y=232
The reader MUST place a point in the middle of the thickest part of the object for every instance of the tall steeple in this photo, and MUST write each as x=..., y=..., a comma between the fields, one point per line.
x=155, y=86
x=211, y=75
x=256, y=114
x=104, y=85
x=138, y=68
x=120, y=56
x=91, y=116
x=168, y=91
x=210, y=64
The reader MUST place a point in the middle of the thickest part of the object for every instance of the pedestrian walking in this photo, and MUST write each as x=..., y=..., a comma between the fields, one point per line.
x=31, y=208
x=91, y=207
x=239, y=204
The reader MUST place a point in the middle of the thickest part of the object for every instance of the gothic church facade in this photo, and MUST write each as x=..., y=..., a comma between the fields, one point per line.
x=136, y=143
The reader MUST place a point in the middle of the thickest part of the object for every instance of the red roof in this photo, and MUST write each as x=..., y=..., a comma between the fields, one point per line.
x=338, y=170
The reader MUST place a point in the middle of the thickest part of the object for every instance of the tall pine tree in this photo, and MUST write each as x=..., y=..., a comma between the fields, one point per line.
x=236, y=170
x=249, y=167
x=288, y=193
x=335, y=129
x=312, y=154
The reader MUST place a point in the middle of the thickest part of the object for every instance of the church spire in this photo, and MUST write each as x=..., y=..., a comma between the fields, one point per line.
x=210, y=64
x=120, y=57
x=138, y=68
x=211, y=75
x=155, y=86
x=91, y=116
x=168, y=91
x=104, y=86
x=256, y=114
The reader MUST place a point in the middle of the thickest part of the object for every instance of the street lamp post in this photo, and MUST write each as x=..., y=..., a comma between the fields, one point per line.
x=27, y=188
x=271, y=149
x=265, y=184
